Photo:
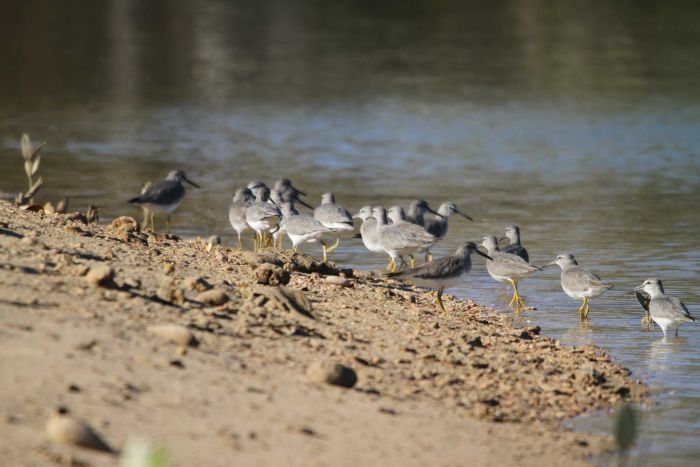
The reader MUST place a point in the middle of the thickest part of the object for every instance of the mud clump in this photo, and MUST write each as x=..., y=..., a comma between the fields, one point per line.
x=174, y=333
x=269, y=274
x=213, y=297
x=100, y=276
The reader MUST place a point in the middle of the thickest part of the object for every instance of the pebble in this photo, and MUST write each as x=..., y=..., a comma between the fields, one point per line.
x=195, y=284
x=125, y=224
x=63, y=429
x=29, y=240
x=330, y=372
x=168, y=292
x=174, y=333
x=213, y=297
x=100, y=276
x=338, y=280
x=269, y=274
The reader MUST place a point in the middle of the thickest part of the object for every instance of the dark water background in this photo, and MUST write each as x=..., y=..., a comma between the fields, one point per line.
x=577, y=120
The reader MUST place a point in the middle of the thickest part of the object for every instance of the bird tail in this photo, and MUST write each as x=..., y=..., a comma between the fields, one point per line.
x=135, y=200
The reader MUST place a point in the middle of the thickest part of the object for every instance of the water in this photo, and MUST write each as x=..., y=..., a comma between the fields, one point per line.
x=576, y=120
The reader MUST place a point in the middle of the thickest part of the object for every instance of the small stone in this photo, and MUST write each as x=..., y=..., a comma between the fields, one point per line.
x=63, y=429
x=174, y=333
x=29, y=240
x=101, y=276
x=269, y=274
x=337, y=280
x=125, y=224
x=330, y=372
x=195, y=284
x=166, y=291
x=214, y=297
x=168, y=267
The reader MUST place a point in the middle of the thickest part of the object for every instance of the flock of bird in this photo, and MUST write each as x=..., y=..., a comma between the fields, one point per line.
x=272, y=214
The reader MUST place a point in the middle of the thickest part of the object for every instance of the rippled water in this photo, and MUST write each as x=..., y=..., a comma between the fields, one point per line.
x=576, y=120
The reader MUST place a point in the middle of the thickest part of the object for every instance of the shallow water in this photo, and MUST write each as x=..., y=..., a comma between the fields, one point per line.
x=579, y=122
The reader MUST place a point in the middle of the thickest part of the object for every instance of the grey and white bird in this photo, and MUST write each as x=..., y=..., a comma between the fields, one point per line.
x=437, y=225
x=334, y=216
x=288, y=191
x=514, y=247
x=579, y=282
x=302, y=228
x=668, y=312
x=262, y=215
x=507, y=267
x=417, y=211
x=368, y=230
x=236, y=212
x=400, y=238
x=443, y=273
x=164, y=196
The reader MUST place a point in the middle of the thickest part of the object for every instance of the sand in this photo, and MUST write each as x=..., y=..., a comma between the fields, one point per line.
x=78, y=304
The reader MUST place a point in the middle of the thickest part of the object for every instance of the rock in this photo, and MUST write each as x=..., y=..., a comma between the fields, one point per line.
x=269, y=274
x=29, y=240
x=213, y=297
x=195, y=284
x=63, y=429
x=175, y=333
x=169, y=292
x=101, y=276
x=337, y=280
x=256, y=259
x=168, y=267
x=125, y=224
x=330, y=372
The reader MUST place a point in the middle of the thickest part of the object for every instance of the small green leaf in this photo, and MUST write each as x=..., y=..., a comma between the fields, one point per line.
x=625, y=428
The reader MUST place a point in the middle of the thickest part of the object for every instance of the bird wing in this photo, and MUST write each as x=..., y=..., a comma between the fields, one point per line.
x=404, y=235
x=449, y=266
x=680, y=306
x=303, y=225
x=580, y=279
x=643, y=299
x=331, y=213
x=162, y=189
x=518, y=250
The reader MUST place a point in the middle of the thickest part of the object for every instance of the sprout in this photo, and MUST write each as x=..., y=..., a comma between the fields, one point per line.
x=31, y=158
x=140, y=453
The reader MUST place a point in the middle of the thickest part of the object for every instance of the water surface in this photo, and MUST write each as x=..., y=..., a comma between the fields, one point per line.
x=576, y=120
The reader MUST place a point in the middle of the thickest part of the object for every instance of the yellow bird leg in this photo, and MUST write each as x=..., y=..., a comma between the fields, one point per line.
x=439, y=300
x=153, y=222
x=428, y=256
x=413, y=261
x=333, y=247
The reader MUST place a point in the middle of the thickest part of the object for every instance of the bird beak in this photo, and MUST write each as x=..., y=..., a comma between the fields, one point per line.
x=639, y=288
x=299, y=192
x=464, y=215
x=553, y=263
x=300, y=201
x=483, y=254
x=502, y=238
x=191, y=182
x=436, y=213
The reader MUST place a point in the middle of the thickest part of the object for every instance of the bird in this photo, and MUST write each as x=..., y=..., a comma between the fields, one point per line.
x=368, y=229
x=438, y=224
x=285, y=187
x=236, y=212
x=579, y=282
x=334, y=216
x=668, y=312
x=442, y=273
x=507, y=267
x=262, y=215
x=302, y=228
x=164, y=195
x=417, y=210
x=400, y=238
x=514, y=247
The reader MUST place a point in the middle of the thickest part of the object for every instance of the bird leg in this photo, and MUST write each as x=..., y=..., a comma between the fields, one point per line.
x=438, y=300
x=240, y=242
x=428, y=256
x=413, y=261
x=647, y=319
x=676, y=332
x=585, y=315
x=167, y=221
x=153, y=222
x=517, y=299
x=325, y=250
x=583, y=311
x=337, y=242
x=392, y=265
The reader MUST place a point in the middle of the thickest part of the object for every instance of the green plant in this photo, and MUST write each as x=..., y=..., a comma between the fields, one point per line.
x=141, y=453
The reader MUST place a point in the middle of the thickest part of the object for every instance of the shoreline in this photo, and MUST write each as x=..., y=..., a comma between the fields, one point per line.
x=432, y=388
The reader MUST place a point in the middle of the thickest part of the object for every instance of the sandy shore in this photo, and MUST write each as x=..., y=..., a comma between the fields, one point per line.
x=467, y=388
